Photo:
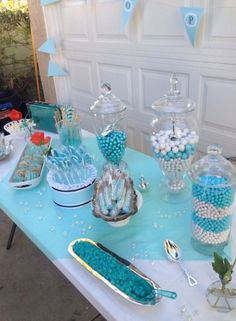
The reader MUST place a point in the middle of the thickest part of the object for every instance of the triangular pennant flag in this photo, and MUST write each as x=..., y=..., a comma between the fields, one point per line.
x=54, y=70
x=48, y=47
x=192, y=18
x=47, y=2
x=128, y=7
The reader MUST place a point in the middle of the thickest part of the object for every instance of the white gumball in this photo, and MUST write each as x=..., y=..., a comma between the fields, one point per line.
x=162, y=146
x=175, y=149
x=163, y=152
x=168, y=132
x=178, y=133
x=177, y=142
x=181, y=147
x=168, y=148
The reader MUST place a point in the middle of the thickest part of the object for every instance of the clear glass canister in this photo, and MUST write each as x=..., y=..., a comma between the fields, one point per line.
x=109, y=116
x=174, y=136
x=213, y=189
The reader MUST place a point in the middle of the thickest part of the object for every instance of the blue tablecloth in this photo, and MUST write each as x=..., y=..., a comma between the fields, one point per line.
x=52, y=229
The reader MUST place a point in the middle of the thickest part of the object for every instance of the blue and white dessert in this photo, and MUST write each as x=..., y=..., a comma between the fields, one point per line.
x=212, y=210
x=114, y=198
x=71, y=176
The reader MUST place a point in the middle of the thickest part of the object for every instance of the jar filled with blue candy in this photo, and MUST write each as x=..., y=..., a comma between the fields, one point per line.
x=213, y=192
x=174, y=139
x=109, y=114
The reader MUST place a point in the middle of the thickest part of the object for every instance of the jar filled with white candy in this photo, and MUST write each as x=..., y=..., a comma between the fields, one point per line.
x=213, y=191
x=174, y=138
x=109, y=116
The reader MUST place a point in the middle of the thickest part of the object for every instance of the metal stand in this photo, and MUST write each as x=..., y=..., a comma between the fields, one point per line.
x=12, y=233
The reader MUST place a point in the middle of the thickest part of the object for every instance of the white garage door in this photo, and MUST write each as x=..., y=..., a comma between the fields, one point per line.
x=138, y=61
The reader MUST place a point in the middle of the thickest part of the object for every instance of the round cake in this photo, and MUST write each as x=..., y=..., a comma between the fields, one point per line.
x=74, y=195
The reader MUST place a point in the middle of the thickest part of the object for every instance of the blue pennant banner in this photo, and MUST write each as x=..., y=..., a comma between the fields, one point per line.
x=48, y=2
x=192, y=18
x=54, y=70
x=128, y=7
x=48, y=47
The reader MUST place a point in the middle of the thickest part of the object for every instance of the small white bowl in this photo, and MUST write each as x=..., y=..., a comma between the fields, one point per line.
x=17, y=129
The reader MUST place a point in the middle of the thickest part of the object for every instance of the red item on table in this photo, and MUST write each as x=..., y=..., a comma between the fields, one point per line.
x=38, y=138
x=15, y=114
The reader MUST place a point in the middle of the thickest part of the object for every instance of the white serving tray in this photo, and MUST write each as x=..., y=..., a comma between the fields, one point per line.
x=30, y=183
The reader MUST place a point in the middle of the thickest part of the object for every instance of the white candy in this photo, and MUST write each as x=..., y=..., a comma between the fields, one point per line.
x=177, y=142
x=168, y=148
x=175, y=149
x=168, y=132
x=163, y=152
x=178, y=134
x=181, y=147
x=162, y=146
x=210, y=237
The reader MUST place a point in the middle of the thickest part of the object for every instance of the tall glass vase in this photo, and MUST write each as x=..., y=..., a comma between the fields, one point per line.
x=109, y=113
x=174, y=140
x=220, y=297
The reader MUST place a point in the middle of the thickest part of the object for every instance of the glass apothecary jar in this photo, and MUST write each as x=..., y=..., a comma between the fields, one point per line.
x=213, y=189
x=109, y=116
x=174, y=138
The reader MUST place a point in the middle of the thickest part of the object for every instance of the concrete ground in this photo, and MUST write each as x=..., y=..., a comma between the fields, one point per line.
x=32, y=289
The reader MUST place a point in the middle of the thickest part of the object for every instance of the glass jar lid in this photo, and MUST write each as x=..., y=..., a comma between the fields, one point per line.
x=173, y=101
x=213, y=170
x=107, y=103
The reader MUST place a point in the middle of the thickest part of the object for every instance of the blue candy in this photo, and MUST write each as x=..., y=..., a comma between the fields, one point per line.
x=112, y=146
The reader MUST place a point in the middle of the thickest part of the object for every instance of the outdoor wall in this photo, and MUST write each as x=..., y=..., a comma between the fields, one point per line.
x=139, y=59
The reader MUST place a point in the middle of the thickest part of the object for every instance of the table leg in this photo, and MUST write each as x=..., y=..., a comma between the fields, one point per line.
x=9, y=242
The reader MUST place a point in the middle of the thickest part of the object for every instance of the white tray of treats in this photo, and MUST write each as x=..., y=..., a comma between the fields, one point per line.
x=29, y=169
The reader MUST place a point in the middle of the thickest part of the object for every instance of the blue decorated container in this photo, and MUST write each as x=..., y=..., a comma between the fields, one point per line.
x=109, y=113
x=213, y=192
x=73, y=196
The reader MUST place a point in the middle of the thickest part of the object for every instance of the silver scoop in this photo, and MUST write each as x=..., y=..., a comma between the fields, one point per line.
x=143, y=184
x=174, y=254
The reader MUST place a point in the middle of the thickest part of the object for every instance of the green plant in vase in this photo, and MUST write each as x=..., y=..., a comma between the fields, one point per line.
x=220, y=295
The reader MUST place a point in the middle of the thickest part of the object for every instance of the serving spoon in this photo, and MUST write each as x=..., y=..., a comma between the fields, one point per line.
x=174, y=254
